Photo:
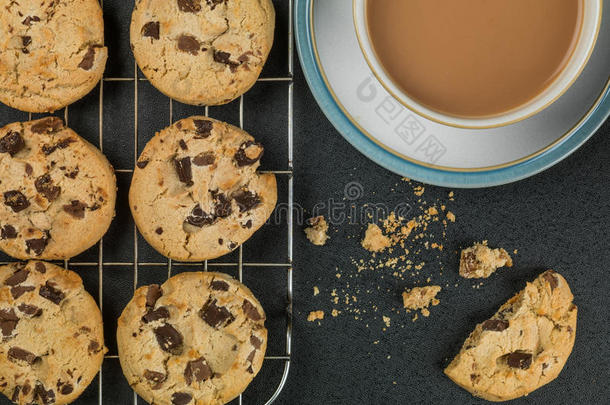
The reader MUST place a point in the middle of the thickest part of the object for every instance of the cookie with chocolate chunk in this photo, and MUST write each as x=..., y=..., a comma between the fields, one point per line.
x=196, y=193
x=52, y=52
x=202, y=51
x=199, y=338
x=52, y=342
x=523, y=346
x=57, y=191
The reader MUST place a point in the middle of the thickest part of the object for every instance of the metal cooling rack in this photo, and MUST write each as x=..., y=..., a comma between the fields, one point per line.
x=101, y=265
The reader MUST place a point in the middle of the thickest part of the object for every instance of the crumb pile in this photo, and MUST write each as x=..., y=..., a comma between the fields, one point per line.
x=401, y=250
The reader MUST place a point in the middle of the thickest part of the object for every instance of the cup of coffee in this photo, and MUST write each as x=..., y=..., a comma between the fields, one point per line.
x=477, y=63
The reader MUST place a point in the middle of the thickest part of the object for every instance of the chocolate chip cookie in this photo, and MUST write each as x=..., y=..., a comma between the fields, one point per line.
x=195, y=192
x=51, y=52
x=57, y=191
x=523, y=346
x=202, y=51
x=197, y=339
x=52, y=337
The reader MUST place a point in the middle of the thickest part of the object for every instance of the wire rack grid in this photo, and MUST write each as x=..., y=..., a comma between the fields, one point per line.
x=101, y=265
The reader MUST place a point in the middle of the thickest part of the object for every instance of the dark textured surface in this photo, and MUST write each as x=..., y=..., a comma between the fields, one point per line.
x=558, y=219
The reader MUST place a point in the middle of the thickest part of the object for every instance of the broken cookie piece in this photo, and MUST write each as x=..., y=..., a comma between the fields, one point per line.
x=317, y=230
x=480, y=261
x=374, y=239
x=421, y=298
x=523, y=346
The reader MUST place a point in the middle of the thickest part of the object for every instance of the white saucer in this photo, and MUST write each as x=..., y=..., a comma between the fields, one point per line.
x=432, y=152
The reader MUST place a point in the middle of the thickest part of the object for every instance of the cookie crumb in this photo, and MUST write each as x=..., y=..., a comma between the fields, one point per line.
x=374, y=239
x=386, y=320
x=315, y=316
x=421, y=298
x=316, y=290
x=335, y=313
x=317, y=231
x=480, y=261
x=450, y=216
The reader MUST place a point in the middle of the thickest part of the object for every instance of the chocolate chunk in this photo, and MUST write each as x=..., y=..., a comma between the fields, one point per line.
x=220, y=241
x=17, y=353
x=244, y=156
x=63, y=144
x=183, y=169
x=153, y=293
x=16, y=200
x=204, y=159
x=8, y=321
x=256, y=342
x=44, y=185
x=249, y=370
x=93, y=347
x=151, y=29
x=50, y=292
x=182, y=144
x=155, y=377
x=214, y=3
x=519, y=360
x=72, y=174
x=496, y=325
x=197, y=370
x=199, y=217
x=18, y=277
x=181, y=398
x=88, y=59
x=222, y=205
x=169, y=339
x=159, y=231
x=214, y=315
x=549, y=276
x=29, y=169
x=48, y=125
x=31, y=310
x=251, y=356
x=40, y=267
x=142, y=163
x=19, y=290
x=64, y=388
x=36, y=245
x=12, y=143
x=219, y=285
x=246, y=200
x=76, y=209
x=189, y=44
x=189, y=6
x=46, y=397
x=8, y=232
x=251, y=311
x=248, y=224
x=225, y=57
x=232, y=245
x=203, y=128
x=25, y=42
x=15, y=396
x=155, y=315
x=29, y=19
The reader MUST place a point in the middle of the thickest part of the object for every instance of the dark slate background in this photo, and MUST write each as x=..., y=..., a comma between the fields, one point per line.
x=558, y=219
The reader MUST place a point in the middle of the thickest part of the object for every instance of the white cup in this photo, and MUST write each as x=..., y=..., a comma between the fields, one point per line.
x=584, y=47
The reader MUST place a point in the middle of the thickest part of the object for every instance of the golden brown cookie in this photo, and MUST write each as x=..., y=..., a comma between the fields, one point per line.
x=199, y=338
x=202, y=51
x=57, y=191
x=51, y=52
x=523, y=346
x=196, y=193
x=52, y=336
